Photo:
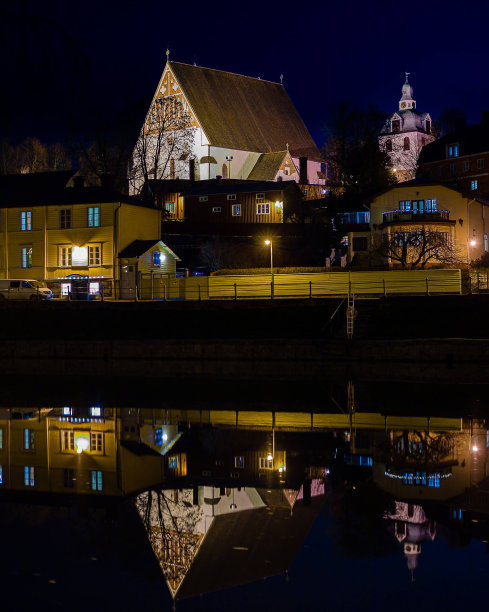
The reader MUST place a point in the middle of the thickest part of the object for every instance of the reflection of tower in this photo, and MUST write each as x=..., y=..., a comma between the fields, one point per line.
x=411, y=526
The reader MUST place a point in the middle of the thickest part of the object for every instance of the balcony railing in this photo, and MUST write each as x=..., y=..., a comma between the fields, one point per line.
x=415, y=215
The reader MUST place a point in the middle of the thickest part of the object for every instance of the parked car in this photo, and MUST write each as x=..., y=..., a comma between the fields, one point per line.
x=20, y=289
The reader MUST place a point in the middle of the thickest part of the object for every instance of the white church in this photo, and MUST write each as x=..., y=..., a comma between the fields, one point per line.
x=241, y=128
x=405, y=133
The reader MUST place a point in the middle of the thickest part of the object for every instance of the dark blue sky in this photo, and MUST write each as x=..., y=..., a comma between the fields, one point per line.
x=61, y=62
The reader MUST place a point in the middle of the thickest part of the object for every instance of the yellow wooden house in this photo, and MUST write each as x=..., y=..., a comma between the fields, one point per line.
x=53, y=228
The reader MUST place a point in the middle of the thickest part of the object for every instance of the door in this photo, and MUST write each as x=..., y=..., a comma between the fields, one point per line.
x=128, y=282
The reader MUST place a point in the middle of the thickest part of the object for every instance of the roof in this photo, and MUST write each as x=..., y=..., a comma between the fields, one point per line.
x=240, y=112
x=137, y=248
x=138, y=448
x=50, y=189
x=422, y=182
x=243, y=547
x=267, y=166
x=471, y=139
x=215, y=187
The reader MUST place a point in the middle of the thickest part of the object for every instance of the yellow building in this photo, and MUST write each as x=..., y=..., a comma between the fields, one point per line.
x=414, y=211
x=52, y=228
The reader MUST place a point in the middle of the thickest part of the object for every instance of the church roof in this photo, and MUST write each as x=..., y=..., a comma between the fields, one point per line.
x=267, y=166
x=245, y=113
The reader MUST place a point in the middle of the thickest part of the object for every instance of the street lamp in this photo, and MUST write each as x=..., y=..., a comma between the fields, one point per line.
x=229, y=159
x=269, y=242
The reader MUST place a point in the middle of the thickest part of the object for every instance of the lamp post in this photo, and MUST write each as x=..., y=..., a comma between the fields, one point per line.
x=229, y=159
x=269, y=242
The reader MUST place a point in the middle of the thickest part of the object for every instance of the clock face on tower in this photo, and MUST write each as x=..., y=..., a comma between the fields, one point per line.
x=403, y=105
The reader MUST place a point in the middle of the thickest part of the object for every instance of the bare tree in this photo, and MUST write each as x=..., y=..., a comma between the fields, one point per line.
x=32, y=155
x=415, y=248
x=164, y=143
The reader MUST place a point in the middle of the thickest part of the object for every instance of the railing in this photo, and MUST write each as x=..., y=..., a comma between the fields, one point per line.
x=415, y=215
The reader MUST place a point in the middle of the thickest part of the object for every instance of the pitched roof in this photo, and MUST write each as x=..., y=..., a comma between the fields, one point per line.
x=216, y=187
x=267, y=166
x=240, y=112
x=140, y=247
x=471, y=139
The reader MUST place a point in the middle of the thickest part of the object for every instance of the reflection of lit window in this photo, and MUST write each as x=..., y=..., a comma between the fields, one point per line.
x=96, y=480
x=239, y=462
x=266, y=464
x=29, y=476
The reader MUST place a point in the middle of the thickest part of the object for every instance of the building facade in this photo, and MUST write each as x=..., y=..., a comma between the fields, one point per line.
x=404, y=134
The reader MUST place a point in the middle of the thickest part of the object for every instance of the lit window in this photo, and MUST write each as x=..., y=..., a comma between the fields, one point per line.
x=96, y=441
x=156, y=258
x=65, y=218
x=94, y=258
x=67, y=440
x=473, y=185
x=216, y=209
x=93, y=216
x=96, y=480
x=95, y=411
x=405, y=204
x=66, y=411
x=239, y=461
x=173, y=462
x=170, y=207
x=65, y=257
x=94, y=288
x=452, y=150
x=65, y=289
x=26, y=259
x=29, y=476
x=480, y=164
x=231, y=196
x=236, y=210
x=266, y=464
x=25, y=221
x=159, y=437
x=485, y=243
x=1, y=474
x=29, y=439
x=263, y=209
x=431, y=205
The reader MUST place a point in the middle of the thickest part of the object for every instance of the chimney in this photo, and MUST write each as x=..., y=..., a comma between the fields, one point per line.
x=191, y=169
x=78, y=182
x=303, y=171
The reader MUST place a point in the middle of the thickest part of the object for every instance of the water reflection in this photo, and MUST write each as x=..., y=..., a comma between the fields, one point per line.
x=228, y=497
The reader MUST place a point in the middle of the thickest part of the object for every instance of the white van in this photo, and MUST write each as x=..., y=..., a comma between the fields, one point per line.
x=21, y=289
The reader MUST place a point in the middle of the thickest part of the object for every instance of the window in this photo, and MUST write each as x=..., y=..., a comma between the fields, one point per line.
x=360, y=243
x=25, y=221
x=485, y=249
x=65, y=257
x=96, y=441
x=266, y=464
x=480, y=164
x=96, y=480
x=156, y=258
x=286, y=171
x=67, y=440
x=159, y=436
x=407, y=144
x=396, y=125
x=236, y=210
x=453, y=168
x=417, y=206
x=216, y=209
x=93, y=219
x=263, y=209
x=405, y=204
x=388, y=146
x=66, y=411
x=26, y=257
x=452, y=150
x=1, y=474
x=260, y=196
x=68, y=478
x=473, y=185
x=203, y=198
x=173, y=462
x=428, y=126
x=239, y=461
x=29, y=439
x=94, y=288
x=1, y=439
x=29, y=476
x=95, y=411
x=466, y=166
x=65, y=218
x=94, y=258
x=170, y=207
x=431, y=205
x=231, y=196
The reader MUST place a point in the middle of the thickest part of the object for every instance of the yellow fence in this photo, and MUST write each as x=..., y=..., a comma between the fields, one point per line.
x=312, y=285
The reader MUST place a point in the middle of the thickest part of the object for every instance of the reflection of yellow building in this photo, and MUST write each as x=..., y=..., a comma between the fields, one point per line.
x=59, y=451
x=53, y=227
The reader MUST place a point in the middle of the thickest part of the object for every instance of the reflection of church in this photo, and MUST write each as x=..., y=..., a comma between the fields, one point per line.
x=410, y=526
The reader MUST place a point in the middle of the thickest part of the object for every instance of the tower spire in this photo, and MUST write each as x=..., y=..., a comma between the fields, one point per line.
x=407, y=76
x=167, y=54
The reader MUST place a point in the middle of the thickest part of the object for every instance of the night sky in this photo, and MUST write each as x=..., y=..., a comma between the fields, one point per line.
x=64, y=64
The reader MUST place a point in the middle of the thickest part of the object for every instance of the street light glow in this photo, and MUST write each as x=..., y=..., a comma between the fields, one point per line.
x=473, y=243
x=267, y=242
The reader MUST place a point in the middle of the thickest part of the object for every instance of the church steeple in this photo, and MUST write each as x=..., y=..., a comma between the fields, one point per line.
x=407, y=101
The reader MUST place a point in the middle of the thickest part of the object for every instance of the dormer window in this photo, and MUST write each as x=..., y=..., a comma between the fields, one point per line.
x=452, y=150
x=396, y=126
x=428, y=126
